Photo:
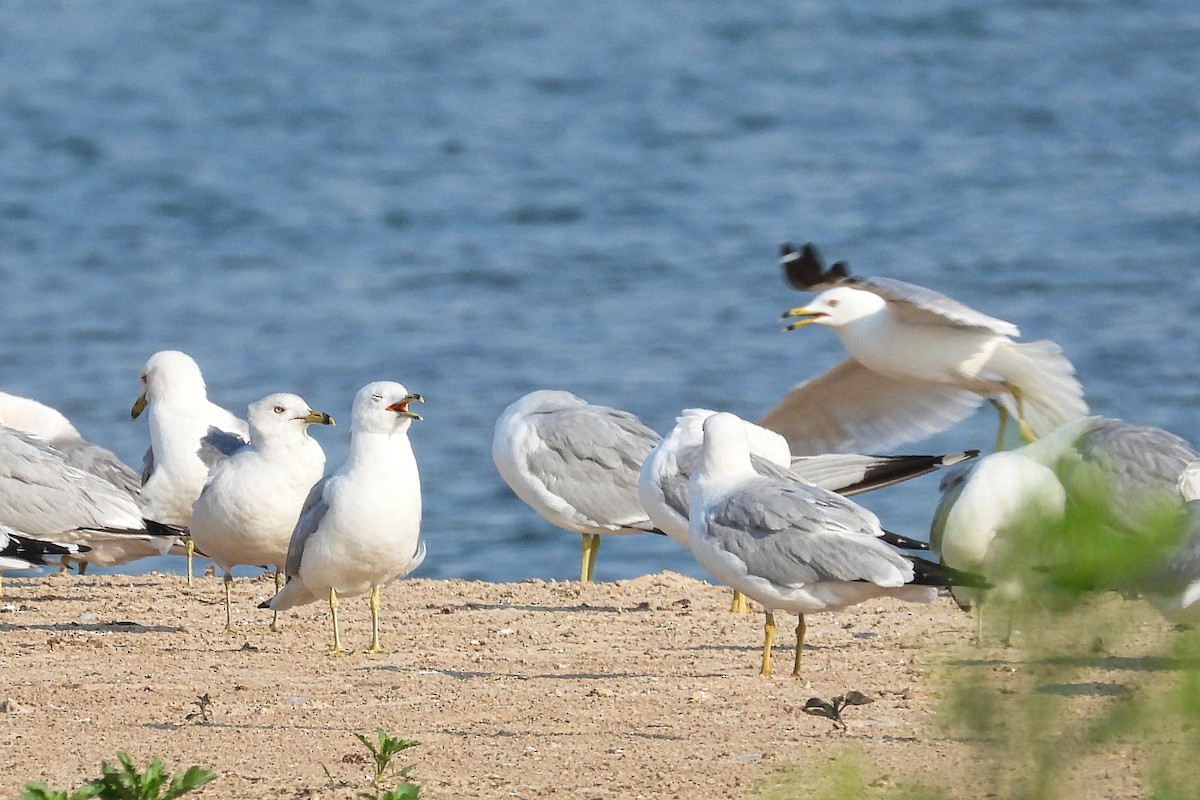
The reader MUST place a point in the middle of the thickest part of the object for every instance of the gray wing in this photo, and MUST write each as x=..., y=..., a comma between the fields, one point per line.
x=922, y=306
x=1183, y=567
x=311, y=514
x=1134, y=468
x=40, y=494
x=951, y=487
x=99, y=461
x=592, y=458
x=147, y=465
x=791, y=534
x=852, y=409
x=850, y=474
x=218, y=445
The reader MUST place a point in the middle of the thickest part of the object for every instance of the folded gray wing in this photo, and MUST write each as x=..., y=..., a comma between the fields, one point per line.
x=311, y=514
x=791, y=534
x=98, y=461
x=852, y=409
x=40, y=494
x=1135, y=468
x=850, y=474
x=217, y=445
x=591, y=457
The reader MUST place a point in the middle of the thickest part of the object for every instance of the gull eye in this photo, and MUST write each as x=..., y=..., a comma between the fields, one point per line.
x=832, y=303
x=278, y=409
x=377, y=397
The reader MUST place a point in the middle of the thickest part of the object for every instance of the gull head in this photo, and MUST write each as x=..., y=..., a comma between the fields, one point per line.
x=169, y=373
x=726, y=447
x=835, y=307
x=281, y=413
x=382, y=407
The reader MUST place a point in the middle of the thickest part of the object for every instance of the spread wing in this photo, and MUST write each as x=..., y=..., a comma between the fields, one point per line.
x=852, y=409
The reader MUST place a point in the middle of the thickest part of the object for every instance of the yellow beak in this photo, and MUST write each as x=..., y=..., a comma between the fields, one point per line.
x=802, y=311
x=139, y=406
x=318, y=418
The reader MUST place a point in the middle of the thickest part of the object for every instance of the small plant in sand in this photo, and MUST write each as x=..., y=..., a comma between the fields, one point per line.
x=202, y=710
x=382, y=750
x=127, y=782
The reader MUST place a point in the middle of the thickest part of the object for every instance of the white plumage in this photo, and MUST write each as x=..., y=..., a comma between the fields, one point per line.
x=919, y=362
x=249, y=508
x=360, y=528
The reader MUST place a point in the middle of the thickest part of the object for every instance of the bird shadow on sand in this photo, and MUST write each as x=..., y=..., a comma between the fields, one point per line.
x=119, y=626
x=447, y=608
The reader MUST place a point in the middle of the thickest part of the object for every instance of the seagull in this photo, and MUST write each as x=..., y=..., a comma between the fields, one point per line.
x=919, y=362
x=663, y=482
x=360, y=527
x=1097, y=503
x=576, y=464
x=188, y=436
x=792, y=546
x=251, y=503
x=44, y=497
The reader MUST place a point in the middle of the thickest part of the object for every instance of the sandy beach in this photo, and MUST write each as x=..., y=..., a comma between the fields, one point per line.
x=635, y=689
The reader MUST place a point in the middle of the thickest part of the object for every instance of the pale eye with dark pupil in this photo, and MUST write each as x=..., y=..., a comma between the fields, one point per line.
x=833, y=303
x=278, y=409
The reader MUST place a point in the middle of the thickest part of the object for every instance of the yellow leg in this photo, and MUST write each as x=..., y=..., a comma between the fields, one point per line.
x=768, y=637
x=801, y=627
x=189, y=548
x=739, y=603
x=376, y=647
x=229, y=604
x=1002, y=412
x=591, y=546
x=337, y=636
x=278, y=588
x=1022, y=426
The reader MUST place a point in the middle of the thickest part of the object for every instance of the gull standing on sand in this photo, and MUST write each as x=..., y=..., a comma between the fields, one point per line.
x=576, y=464
x=790, y=546
x=663, y=483
x=188, y=436
x=251, y=503
x=919, y=362
x=360, y=527
x=1129, y=480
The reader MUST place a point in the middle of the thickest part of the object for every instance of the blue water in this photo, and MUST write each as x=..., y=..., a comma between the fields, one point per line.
x=481, y=199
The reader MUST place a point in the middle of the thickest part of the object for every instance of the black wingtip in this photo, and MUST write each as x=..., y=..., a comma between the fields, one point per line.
x=805, y=270
x=902, y=541
x=929, y=573
x=265, y=603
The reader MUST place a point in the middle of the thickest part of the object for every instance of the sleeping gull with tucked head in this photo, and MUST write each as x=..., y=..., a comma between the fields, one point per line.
x=791, y=546
x=188, y=436
x=919, y=362
x=576, y=464
x=360, y=527
x=251, y=503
